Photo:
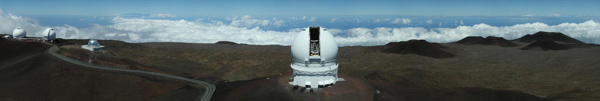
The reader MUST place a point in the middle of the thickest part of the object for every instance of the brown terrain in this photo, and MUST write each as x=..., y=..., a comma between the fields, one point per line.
x=419, y=47
x=28, y=73
x=555, y=36
x=416, y=70
x=546, y=45
x=278, y=88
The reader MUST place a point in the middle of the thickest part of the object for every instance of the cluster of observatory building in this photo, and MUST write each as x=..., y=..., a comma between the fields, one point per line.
x=20, y=34
x=48, y=34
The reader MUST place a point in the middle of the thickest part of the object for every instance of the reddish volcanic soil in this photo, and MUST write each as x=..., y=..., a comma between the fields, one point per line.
x=278, y=88
x=28, y=73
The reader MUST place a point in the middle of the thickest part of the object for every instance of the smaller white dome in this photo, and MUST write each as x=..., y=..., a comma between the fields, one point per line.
x=19, y=32
x=49, y=34
x=93, y=42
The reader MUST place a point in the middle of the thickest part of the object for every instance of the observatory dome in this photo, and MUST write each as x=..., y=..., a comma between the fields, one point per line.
x=314, y=52
x=93, y=42
x=325, y=47
x=19, y=32
x=49, y=34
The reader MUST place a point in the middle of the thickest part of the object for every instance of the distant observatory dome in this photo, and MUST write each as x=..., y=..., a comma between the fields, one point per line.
x=325, y=47
x=19, y=32
x=93, y=45
x=49, y=34
x=93, y=42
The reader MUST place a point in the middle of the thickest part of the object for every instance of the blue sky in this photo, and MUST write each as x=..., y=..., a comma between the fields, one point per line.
x=303, y=7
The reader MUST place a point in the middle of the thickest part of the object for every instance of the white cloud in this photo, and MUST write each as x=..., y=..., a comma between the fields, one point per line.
x=149, y=30
x=403, y=21
x=587, y=31
x=312, y=19
x=199, y=19
x=406, y=21
x=160, y=30
x=528, y=15
x=10, y=22
x=377, y=21
x=248, y=21
x=332, y=20
x=556, y=15
x=162, y=15
x=455, y=22
x=429, y=22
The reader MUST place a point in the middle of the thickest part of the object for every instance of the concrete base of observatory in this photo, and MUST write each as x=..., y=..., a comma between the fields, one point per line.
x=278, y=88
x=351, y=89
x=92, y=48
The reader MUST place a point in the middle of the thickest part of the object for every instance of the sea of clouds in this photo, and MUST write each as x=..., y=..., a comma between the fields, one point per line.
x=246, y=29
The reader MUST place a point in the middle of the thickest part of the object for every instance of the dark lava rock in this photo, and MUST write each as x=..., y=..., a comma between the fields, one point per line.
x=546, y=45
x=419, y=47
x=227, y=42
x=490, y=40
x=554, y=36
x=60, y=41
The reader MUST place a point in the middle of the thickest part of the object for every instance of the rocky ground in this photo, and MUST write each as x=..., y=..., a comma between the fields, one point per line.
x=28, y=73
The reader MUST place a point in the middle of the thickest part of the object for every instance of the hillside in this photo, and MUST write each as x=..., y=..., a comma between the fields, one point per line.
x=420, y=47
x=554, y=36
x=28, y=73
x=490, y=40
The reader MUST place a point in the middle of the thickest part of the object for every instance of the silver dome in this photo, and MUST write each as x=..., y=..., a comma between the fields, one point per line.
x=93, y=42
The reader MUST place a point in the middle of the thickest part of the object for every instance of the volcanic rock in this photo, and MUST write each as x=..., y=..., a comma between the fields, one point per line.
x=419, y=47
x=554, y=36
x=546, y=45
x=490, y=40
x=227, y=42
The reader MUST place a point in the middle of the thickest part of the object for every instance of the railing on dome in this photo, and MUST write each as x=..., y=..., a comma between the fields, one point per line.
x=323, y=73
x=324, y=63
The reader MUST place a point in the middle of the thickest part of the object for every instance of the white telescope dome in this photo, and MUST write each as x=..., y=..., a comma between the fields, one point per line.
x=49, y=34
x=93, y=42
x=314, y=52
x=326, y=48
x=19, y=32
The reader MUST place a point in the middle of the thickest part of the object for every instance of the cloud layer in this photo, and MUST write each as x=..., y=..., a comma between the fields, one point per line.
x=248, y=21
x=403, y=21
x=245, y=29
x=162, y=15
x=588, y=31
